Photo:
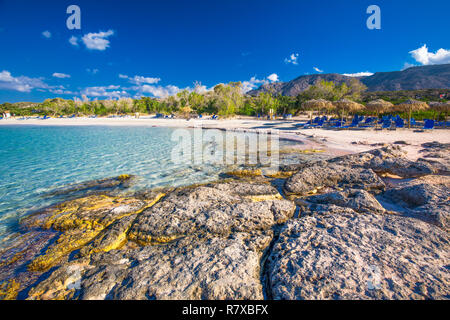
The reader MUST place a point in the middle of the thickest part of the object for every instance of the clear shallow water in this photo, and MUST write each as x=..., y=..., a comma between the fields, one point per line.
x=37, y=160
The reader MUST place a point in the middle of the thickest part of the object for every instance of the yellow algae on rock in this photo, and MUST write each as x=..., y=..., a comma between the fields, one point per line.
x=67, y=242
x=124, y=177
x=81, y=221
x=9, y=290
x=280, y=174
x=245, y=173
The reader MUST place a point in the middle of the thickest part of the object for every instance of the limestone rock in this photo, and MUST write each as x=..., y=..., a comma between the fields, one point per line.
x=359, y=200
x=332, y=175
x=348, y=255
x=426, y=198
x=390, y=159
x=79, y=221
x=216, y=208
x=206, y=267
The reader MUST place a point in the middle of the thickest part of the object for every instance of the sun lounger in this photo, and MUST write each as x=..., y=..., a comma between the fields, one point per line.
x=428, y=124
x=399, y=123
x=386, y=124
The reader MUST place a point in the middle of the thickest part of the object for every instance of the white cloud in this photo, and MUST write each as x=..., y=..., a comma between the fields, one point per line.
x=110, y=92
x=140, y=79
x=92, y=71
x=21, y=83
x=61, y=75
x=251, y=84
x=47, y=34
x=408, y=65
x=358, y=74
x=292, y=59
x=273, y=77
x=423, y=56
x=318, y=70
x=158, y=91
x=73, y=41
x=97, y=41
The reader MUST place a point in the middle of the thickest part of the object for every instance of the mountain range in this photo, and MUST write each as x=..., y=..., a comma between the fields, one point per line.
x=413, y=78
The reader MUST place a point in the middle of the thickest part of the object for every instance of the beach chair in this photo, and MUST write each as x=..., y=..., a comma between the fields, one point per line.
x=386, y=124
x=399, y=123
x=428, y=124
x=368, y=122
x=337, y=124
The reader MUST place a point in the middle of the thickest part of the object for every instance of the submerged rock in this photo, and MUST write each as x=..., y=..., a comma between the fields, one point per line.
x=348, y=255
x=96, y=186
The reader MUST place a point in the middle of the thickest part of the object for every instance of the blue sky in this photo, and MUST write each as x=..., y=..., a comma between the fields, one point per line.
x=154, y=48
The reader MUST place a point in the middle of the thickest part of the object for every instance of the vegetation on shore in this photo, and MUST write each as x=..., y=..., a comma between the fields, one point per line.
x=225, y=100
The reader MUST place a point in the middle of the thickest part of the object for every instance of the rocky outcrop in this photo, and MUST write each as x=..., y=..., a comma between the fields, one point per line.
x=218, y=209
x=199, y=242
x=347, y=235
x=348, y=255
x=390, y=159
x=331, y=175
x=425, y=198
x=79, y=221
x=194, y=267
x=359, y=200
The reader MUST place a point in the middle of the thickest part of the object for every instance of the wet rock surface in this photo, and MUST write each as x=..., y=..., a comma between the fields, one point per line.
x=332, y=229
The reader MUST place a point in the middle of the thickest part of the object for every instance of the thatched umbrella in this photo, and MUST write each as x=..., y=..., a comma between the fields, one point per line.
x=318, y=104
x=347, y=106
x=441, y=107
x=410, y=106
x=379, y=106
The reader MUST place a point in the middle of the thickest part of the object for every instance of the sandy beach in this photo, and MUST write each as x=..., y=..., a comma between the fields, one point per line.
x=336, y=142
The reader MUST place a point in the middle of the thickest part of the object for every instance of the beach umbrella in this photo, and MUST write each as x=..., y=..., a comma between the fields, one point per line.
x=379, y=106
x=441, y=107
x=318, y=104
x=410, y=106
x=346, y=106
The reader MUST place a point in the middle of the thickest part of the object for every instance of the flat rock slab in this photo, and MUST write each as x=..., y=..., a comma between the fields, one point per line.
x=332, y=175
x=348, y=255
x=217, y=208
x=359, y=200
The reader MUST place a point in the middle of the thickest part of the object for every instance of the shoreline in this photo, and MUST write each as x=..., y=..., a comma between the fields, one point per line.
x=336, y=142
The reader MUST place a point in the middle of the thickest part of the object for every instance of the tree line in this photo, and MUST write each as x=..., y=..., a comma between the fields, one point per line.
x=224, y=100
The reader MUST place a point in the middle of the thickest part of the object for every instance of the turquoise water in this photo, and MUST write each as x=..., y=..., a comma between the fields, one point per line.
x=36, y=160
